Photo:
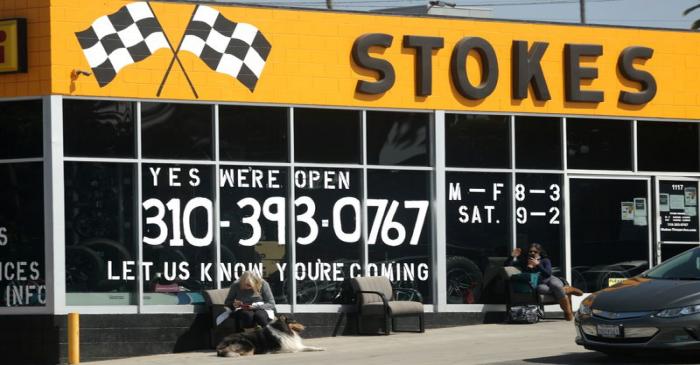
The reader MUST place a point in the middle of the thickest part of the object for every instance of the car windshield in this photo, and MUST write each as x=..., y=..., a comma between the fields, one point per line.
x=685, y=266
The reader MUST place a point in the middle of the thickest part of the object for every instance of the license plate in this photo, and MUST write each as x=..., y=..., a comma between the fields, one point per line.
x=606, y=330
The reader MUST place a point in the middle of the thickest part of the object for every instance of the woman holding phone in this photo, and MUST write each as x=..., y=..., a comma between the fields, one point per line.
x=536, y=261
x=251, y=298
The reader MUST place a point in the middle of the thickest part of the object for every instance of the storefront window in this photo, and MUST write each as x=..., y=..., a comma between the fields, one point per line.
x=21, y=129
x=478, y=235
x=254, y=223
x=177, y=131
x=398, y=138
x=477, y=140
x=328, y=233
x=22, y=259
x=327, y=135
x=101, y=254
x=399, y=231
x=597, y=144
x=678, y=211
x=609, y=231
x=253, y=133
x=537, y=143
x=99, y=128
x=539, y=215
x=178, y=233
x=667, y=146
x=669, y=250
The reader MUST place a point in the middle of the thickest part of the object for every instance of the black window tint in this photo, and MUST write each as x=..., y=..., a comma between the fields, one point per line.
x=100, y=241
x=22, y=235
x=398, y=138
x=177, y=131
x=21, y=129
x=666, y=146
x=669, y=250
x=178, y=232
x=539, y=215
x=537, y=143
x=609, y=231
x=477, y=140
x=599, y=144
x=478, y=227
x=399, y=231
x=246, y=190
x=328, y=233
x=98, y=128
x=253, y=133
x=326, y=135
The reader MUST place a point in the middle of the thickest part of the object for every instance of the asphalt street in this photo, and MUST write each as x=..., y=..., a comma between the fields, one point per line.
x=548, y=342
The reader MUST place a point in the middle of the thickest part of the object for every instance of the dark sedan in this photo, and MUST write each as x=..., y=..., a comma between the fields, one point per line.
x=659, y=309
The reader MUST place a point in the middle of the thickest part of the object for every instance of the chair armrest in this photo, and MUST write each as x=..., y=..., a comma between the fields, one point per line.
x=359, y=303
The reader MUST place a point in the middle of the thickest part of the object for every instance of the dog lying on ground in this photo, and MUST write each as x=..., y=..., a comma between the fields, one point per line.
x=279, y=336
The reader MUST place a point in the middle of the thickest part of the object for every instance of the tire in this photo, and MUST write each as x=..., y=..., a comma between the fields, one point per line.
x=108, y=250
x=307, y=291
x=84, y=269
x=464, y=280
x=578, y=281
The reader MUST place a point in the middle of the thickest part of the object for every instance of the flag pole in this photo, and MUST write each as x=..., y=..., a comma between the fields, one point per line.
x=175, y=52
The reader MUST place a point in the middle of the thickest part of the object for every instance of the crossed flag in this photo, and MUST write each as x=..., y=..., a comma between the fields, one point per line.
x=134, y=33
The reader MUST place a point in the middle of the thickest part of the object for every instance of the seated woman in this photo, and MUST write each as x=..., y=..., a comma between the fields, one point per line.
x=536, y=261
x=250, y=297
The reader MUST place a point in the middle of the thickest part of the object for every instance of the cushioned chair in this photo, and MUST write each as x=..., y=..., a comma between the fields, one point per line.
x=514, y=298
x=375, y=299
x=215, y=301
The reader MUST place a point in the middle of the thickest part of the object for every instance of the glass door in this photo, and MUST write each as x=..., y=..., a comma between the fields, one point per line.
x=676, y=216
x=610, y=231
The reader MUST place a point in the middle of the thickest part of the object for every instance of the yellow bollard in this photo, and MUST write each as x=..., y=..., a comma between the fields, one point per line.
x=73, y=338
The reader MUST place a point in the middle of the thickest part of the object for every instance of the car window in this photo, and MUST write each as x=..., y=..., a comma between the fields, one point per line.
x=685, y=266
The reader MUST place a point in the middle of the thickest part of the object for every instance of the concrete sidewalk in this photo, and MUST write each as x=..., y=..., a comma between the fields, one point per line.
x=478, y=344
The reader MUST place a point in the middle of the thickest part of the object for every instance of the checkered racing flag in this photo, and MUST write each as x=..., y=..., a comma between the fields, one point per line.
x=117, y=40
x=236, y=49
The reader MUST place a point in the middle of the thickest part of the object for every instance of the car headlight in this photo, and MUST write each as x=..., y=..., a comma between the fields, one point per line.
x=584, y=309
x=679, y=312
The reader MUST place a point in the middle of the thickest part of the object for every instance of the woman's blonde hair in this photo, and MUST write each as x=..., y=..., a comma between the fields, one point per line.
x=255, y=281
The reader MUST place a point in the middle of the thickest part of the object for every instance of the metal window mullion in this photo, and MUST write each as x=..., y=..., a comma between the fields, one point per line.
x=364, y=248
x=54, y=200
x=217, y=201
x=139, y=212
x=54, y=212
x=635, y=167
x=513, y=203
x=657, y=223
x=21, y=160
x=565, y=203
x=291, y=210
x=439, y=212
x=649, y=229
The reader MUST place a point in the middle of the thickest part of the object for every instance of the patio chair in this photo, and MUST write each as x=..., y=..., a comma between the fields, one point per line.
x=375, y=298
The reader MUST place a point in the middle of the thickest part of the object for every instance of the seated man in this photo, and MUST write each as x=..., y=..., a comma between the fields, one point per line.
x=536, y=261
x=251, y=299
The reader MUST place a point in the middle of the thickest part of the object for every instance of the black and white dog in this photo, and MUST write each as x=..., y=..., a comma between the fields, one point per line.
x=279, y=336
